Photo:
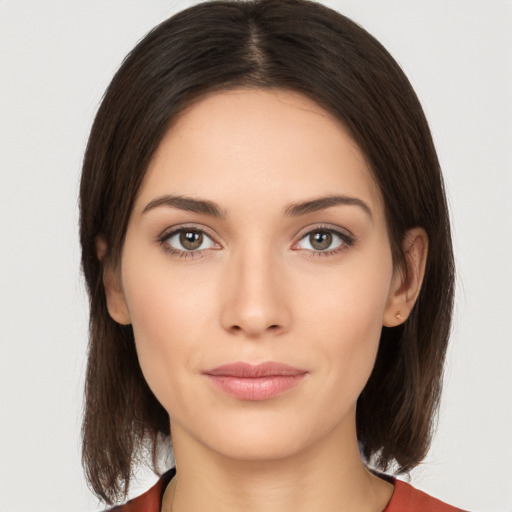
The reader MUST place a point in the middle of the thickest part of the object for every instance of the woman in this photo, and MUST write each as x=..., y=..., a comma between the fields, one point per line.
x=267, y=251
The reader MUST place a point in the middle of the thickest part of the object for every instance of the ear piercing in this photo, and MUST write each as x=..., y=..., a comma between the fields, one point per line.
x=398, y=315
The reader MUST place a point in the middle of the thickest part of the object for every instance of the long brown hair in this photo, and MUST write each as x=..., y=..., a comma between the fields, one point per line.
x=292, y=44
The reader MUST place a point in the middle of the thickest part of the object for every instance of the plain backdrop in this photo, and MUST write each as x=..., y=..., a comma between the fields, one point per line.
x=57, y=57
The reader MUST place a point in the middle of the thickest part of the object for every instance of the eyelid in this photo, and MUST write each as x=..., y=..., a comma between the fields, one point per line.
x=328, y=227
x=172, y=230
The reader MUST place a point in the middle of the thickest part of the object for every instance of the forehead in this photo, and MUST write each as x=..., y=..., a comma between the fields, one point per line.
x=249, y=143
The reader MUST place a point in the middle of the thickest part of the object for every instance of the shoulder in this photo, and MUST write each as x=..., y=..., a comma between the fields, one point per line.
x=408, y=499
x=151, y=500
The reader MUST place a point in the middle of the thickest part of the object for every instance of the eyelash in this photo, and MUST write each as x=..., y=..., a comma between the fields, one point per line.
x=347, y=241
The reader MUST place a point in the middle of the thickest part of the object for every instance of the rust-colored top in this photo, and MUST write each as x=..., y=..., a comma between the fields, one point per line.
x=405, y=499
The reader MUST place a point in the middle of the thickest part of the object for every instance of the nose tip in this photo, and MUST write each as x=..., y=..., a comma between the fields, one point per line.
x=255, y=300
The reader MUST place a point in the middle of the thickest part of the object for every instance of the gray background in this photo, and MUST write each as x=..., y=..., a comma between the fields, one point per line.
x=57, y=57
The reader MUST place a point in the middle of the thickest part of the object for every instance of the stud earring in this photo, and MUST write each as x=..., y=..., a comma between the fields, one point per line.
x=398, y=315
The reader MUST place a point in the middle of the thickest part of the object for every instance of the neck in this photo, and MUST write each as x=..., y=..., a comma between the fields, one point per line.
x=328, y=477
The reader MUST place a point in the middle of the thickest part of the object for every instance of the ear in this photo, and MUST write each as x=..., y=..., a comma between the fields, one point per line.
x=116, y=302
x=406, y=283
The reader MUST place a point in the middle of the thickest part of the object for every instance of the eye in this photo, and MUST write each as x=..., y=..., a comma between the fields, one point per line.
x=188, y=240
x=323, y=240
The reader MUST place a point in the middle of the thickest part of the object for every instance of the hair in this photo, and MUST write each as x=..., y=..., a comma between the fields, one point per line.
x=295, y=45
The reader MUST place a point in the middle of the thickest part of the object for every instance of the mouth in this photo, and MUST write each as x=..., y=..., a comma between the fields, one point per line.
x=255, y=382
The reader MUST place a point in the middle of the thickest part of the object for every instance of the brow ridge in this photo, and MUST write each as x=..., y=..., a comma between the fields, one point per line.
x=206, y=207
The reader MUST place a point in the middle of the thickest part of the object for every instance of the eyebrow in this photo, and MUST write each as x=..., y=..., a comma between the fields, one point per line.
x=322, y=203
x=188, y=204
x=206, y=207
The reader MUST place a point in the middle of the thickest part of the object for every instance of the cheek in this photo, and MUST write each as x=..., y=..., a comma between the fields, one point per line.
x=153, y=325
x=169, y=316
x=346, y=314
x=350, y=300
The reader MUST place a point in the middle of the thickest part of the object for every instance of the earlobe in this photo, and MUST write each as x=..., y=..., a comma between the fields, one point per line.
x=116, y=303
x=406, y=284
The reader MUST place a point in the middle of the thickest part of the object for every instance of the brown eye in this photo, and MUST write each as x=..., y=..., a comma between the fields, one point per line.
x=189, y=240
x=320, y=240
x=324, y=240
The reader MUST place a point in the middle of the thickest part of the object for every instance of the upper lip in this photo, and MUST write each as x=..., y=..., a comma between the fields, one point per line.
x=248, y=370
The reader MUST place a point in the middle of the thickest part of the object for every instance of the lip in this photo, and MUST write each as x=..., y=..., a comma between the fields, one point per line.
x=262, y=381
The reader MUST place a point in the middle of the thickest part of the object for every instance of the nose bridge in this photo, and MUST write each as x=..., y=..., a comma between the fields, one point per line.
x=255, y=296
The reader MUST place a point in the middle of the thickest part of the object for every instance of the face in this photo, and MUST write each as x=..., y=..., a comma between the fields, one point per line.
x=257, y=274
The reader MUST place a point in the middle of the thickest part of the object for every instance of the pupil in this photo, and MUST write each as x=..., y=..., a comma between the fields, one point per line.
x=191, y=240
x=321, y=240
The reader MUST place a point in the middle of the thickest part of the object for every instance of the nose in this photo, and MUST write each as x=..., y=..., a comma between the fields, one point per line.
x=255, y=294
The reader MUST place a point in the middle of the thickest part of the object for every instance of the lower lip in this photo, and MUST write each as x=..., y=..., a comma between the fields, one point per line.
x=259, y=388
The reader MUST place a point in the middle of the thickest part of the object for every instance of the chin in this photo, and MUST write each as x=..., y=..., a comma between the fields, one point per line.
x=264, y=436
x=259, y=447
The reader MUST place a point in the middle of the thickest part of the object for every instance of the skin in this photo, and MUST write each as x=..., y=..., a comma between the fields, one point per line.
x=260, y=289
